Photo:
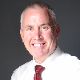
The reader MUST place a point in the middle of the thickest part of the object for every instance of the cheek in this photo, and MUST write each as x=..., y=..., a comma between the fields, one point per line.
x=26, y=38
x=50, y=39
x=48, y=36
x=26, y=41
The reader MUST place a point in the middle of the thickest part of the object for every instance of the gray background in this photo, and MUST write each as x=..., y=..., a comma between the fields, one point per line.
x=12, y=51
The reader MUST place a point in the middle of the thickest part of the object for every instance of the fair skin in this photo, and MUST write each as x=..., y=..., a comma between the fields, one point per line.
x=37, y=35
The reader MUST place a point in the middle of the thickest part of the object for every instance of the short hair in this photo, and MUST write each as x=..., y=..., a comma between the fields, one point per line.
x=51, y=13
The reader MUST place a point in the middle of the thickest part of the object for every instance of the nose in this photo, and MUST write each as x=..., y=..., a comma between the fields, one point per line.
x=37, y=34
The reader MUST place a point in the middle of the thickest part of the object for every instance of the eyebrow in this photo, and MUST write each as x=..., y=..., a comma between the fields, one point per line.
x=28, y=26
x=39, y=25
x=44, y=24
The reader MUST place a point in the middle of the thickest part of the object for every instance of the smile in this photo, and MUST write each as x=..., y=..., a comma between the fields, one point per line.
x=38, y=44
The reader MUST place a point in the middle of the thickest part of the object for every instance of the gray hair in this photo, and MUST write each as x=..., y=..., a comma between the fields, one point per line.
x=52, y=16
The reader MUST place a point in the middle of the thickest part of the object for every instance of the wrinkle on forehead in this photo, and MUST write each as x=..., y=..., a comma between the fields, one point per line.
x=36, y=14
x=33, y=7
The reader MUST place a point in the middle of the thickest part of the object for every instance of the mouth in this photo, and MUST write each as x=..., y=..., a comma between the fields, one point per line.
x=38, y=44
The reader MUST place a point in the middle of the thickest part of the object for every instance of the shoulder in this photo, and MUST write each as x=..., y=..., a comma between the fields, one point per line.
x=21, y=69
x=69, y=57
x=69, y=61
x=70, y=64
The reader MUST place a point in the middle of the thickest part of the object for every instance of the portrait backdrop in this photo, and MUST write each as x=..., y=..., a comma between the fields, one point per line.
x=12, y=51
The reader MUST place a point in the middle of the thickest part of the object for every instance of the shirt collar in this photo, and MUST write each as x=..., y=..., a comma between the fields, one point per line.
x=51, y=58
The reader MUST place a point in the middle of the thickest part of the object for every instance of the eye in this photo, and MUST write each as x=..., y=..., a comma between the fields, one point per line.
x=45, y=27
x=29, y=28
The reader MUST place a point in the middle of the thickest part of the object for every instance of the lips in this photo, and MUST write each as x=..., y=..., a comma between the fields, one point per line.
x=38, y=44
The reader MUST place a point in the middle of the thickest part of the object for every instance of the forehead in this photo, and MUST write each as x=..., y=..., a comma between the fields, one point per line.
x=35, y=10
x=34, y=16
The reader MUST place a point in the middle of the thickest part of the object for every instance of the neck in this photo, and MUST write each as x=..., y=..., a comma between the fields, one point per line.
x=40, y=59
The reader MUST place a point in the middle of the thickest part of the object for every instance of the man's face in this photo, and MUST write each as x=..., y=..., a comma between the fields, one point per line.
x=36, y=33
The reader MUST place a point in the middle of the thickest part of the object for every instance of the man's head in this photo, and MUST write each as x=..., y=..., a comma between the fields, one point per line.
x=39, y=30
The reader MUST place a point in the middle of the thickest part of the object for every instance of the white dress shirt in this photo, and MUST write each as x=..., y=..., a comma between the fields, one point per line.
x=58, y=66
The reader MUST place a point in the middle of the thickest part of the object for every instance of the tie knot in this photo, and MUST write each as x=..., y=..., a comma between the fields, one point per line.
x=39, y=69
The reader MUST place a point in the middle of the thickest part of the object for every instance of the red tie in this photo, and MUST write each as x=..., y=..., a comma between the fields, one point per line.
x=38, y=71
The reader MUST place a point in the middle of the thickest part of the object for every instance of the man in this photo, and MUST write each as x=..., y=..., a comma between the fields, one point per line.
x=39, y=32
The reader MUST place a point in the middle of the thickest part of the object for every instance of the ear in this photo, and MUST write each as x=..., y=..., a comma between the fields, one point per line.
x=21, y=34
x=57, y=30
